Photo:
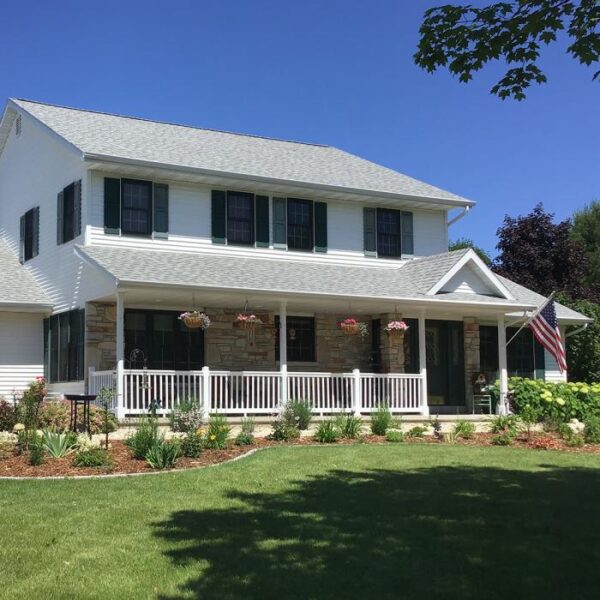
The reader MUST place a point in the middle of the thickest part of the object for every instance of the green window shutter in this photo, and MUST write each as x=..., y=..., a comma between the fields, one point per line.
x=262, y=221
x=320, y=227
x=35, y=249
x=60, y=211
x=112, y=206
x=218, y=217
x=77, y=209
x=22, y=240
x=408, y=246
x=370, y=231
x=47, y=349
x=280, y=223
x=161, y=211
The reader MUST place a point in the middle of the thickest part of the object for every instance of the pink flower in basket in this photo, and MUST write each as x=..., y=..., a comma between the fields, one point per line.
x=396, y=326
x=241, y=318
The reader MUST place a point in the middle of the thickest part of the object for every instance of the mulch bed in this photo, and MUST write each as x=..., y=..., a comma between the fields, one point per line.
x=124, y=463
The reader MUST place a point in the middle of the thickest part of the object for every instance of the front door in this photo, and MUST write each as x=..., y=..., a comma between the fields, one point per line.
x=445, y=363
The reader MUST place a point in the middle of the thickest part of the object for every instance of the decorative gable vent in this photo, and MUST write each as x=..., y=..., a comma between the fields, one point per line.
x=18, y=125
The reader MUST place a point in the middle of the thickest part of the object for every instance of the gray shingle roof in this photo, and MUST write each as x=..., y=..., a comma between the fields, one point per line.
x=180, y=146
x=409, y=281
x=17, y=285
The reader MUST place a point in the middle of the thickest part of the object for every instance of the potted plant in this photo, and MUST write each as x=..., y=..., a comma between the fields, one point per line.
x=351, y=326
x=396, y=329
x=248, y=322
x=194, y=319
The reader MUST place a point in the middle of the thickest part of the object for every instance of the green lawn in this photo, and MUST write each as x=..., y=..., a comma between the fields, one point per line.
x=405, y=521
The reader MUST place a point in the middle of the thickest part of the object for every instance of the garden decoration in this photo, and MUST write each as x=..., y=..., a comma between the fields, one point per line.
x=396, y=329
x=351, y=326
x=194, y=319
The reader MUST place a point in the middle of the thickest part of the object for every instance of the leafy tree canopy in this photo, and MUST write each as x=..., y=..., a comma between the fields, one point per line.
x=541, y=255
x=586, y=231
x=461, y=243
x=465, y=38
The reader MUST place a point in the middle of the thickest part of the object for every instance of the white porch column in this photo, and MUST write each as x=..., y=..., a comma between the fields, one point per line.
x=120, y=355
x=423, y=364
x=283, y=353
x=502, y=407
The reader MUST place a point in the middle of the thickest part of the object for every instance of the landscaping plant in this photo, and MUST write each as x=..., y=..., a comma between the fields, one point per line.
x=192, y=444
x=298, y=413
x=395, y=436
x=464, y=429
x=592, y=429
x=437, y=428
x=105, y=398
x=381, y=420
x=505, y=425
x=217, y=433
x=188, y=415
x=93, y=457
x=283, y=431
x=244, y=439
x=58, y=445
x=55, y=415
x=8, y=415
x=349, y=425
x=37, y=452
x=163, y=454
x=327, y=432
x=418, y=431
x=248, y=425
x=144, y=437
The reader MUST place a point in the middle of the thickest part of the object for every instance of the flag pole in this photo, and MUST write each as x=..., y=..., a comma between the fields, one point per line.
x=535, y=313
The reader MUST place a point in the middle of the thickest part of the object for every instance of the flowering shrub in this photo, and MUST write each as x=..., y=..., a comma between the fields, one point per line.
x=55, y=415
x=393, y=326
x=195, y=318
x=557, y=402
x=217, y=433
x=351, y=325
x=8, y=415
x=187, y=416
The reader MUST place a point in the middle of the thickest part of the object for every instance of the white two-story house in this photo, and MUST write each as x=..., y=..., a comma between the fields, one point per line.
x=111, y=227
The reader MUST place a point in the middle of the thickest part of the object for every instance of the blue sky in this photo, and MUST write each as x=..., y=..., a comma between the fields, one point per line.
x=335, y=72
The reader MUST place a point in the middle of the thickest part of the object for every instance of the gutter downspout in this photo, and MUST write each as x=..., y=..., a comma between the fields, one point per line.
x=459, y=216
x=576, y=331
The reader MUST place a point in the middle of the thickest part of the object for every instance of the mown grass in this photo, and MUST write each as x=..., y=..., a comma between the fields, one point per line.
x=354, y=521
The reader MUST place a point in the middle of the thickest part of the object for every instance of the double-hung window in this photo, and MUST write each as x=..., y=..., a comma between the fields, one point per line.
x=388, y=233
x=300, y=224
x=136, y=208
x=240, y=218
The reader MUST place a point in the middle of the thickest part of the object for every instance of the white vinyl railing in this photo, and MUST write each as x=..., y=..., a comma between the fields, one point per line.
x=260, y=392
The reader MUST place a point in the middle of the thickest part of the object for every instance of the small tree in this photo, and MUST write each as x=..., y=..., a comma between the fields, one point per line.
x=462, y=243
x=105, y=399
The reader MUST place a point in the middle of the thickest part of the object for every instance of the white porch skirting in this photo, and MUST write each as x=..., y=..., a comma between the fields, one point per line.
x=260, y=392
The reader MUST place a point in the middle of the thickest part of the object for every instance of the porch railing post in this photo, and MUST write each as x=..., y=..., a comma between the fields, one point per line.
x=356, y=392
x=206, y=398
x=283, y=390
x=88, y=387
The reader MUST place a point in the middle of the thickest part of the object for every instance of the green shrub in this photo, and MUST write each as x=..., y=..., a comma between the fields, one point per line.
x=143, y=438
x=349, y=425
x=381, y=420
x=217, y=432
x=187, y=416
x=192, y=445
x=163, y=454
x=298, y=413
x=575, y=441
x=592, y=430
x=6, y=449
x=93, y=457
x=505, y=424
x=37, y=452
x=248, y=425
x=282, y=431
x=450, y=437
x=244, y=439
x=418, y=431
x=8, y=415
x=327, y=432
x=58, y=445
x=395, y=436
x=464, y=429
x=502, y=439
x=559, y=402
x=55, y=415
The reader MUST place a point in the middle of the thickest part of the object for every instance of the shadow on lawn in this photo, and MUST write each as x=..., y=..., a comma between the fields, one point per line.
x=439, y=532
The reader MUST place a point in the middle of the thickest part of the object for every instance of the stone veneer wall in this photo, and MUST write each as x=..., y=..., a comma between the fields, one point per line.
x=392, y=350
x=100, y=336
x=472, y=357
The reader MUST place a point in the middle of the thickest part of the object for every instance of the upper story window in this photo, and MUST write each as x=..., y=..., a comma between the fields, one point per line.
x=29, y=235
x=240, y=218
x=136, y=207
x=299, y=224
x=388, y=232
x=69, y=213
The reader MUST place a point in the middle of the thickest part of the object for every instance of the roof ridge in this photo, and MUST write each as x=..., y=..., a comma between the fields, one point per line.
x=172, y=124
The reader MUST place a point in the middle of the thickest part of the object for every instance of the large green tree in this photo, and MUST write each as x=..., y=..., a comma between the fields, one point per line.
x=586, y=231
x=465, y=38
x=463, y=242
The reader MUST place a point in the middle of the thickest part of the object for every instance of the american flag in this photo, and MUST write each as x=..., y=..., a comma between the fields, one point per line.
x=545, y=329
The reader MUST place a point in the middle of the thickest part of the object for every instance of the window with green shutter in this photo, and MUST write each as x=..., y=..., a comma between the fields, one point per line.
x=320, y=227
x=29, y=245
x=68, y=225
x=218, y=217
x=262, y=221
x=112, y=206
x=388, y=232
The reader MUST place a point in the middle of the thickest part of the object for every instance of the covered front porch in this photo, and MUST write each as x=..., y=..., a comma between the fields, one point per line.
x=137, y=346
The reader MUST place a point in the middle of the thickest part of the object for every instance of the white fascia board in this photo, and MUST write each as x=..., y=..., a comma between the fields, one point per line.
x=97, y=266
x=471, y=256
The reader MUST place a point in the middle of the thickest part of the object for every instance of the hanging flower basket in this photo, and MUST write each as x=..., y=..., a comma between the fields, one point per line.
x=248, y=322
x=351, y=326
x=195, y=319
x=396, y=329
